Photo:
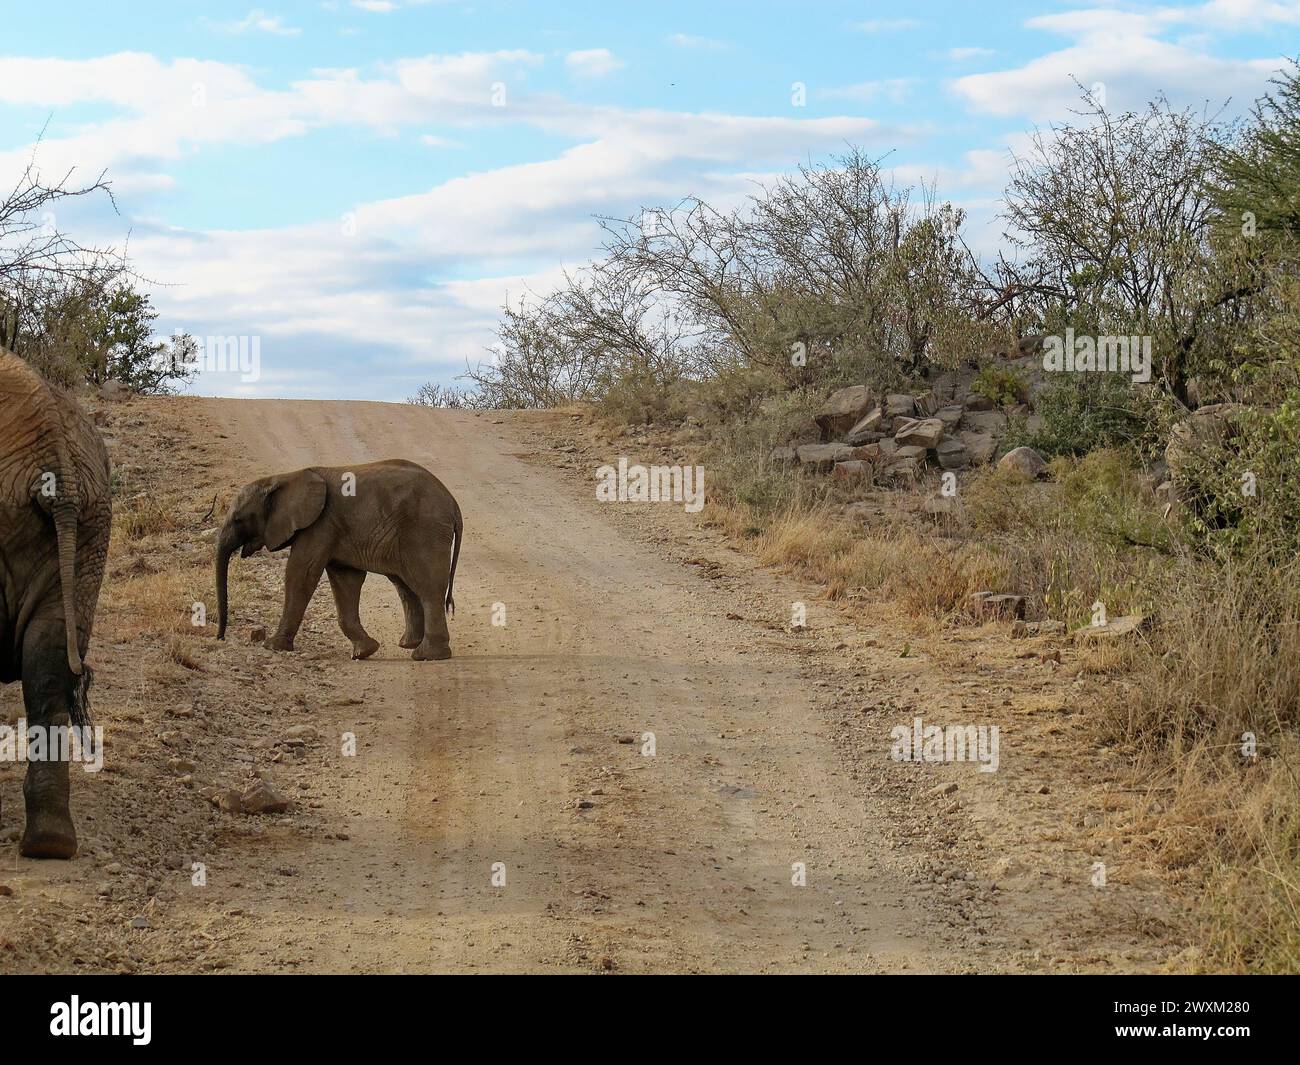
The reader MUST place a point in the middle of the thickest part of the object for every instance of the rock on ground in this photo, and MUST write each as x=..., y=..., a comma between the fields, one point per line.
x=842, y=410
x=823, y=456
x=1023, y=462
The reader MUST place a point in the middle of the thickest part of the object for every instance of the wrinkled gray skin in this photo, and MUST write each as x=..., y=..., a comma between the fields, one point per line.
x=401, y=522
x=55, y=517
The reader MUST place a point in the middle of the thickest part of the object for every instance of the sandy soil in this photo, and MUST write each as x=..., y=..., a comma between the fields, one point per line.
x=527, y=751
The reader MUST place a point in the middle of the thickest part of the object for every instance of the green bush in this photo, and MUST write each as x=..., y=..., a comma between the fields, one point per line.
x=1104, y=496
x=739, y=455
x=1002, y=384
x=1083, y=412
x=1242, y=491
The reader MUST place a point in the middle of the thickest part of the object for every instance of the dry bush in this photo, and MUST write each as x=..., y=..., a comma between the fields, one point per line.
x=937, y=579
x=931, y=578
x=1224, y=669
x=1084, y=538
x=1250, y=919
x=1227, y=660
x=815, y=543
x=181, y=651
x=143, y=517
x=161, y=602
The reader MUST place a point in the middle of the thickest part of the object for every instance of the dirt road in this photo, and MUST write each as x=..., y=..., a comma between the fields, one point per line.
x=527, y=749
x=632, y=763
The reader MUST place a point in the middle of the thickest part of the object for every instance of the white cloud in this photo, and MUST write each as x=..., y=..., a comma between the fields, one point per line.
x=1124, y=52
x=592, y=62
x=1230, y=15
x=172, y=108
x=257, y=21
x=886, y=25
x=973, y=52
x=894, y=90
x=702, y=44
x=379, y=7
x=423, y=274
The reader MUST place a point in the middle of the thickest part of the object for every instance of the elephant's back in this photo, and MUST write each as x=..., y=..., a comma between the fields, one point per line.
x=403, y=475
x=28, y=422
x=37, y=423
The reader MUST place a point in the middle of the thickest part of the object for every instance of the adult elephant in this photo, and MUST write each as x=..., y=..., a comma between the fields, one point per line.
x=55, y=517
x=391, y=517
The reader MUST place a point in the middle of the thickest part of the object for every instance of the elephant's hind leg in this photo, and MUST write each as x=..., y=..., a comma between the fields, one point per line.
x=436, y=644
x=47, y=696
x=346, y=583
x=414, y=615
x=429, y=582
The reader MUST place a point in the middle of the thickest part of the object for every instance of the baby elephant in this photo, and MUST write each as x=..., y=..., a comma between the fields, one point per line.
x=391, y=517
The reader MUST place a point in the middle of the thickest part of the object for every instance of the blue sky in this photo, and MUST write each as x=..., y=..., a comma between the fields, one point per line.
x=361, y=184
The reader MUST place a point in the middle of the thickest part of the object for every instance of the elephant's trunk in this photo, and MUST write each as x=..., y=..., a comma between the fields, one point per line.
x=227, y=545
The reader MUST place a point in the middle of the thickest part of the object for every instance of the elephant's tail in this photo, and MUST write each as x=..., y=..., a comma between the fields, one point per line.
x=67, y=520
x=65, y=528
x=66, y=511
x=450, y=605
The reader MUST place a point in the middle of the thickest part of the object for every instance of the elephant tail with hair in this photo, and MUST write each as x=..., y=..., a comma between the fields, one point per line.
x=450, y=605
x=66, y=510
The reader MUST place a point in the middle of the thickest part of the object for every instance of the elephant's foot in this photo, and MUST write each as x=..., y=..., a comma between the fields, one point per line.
x=410, y=640
x=280, y=643
x=49, y=834
x=428, y=652
x=364, y=648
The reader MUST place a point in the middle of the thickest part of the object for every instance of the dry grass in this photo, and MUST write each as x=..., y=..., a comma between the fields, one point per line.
x=181, y=651
x=1221, y=663
x=1228, y=660
x=931, y=577
x=1214, y=718
x=1250, y=919
x=143, y=517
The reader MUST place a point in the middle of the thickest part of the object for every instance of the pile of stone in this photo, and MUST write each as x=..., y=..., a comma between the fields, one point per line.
x=894, y=437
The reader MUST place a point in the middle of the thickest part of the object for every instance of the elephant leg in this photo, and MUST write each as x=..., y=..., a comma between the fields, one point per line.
x=48, y=686
x=429, y=582
x=414, y=612
x=300, y=579
x=346, y=583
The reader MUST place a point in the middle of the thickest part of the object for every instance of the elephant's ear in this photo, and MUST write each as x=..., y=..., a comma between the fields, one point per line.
x=293, y=502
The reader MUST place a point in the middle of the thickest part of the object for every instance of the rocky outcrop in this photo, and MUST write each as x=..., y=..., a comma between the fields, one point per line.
x=1116, y=628
x=899, y=405
x=980, y=447
x=895, y=438
x=823, y=457
x=984, y=421
x=925, y=434
x=867, y=429
x=853, y=470
x=842, y=410
x=952, y=454
x=951, y=417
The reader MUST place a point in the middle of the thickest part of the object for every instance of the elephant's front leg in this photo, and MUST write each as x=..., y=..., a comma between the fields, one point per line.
x=48, y=685
x=347, y=583
x=301, y=576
